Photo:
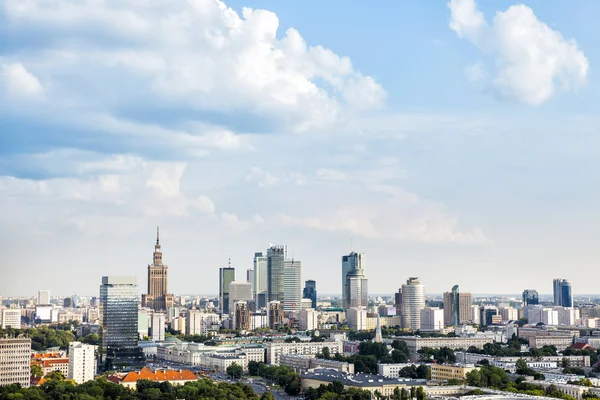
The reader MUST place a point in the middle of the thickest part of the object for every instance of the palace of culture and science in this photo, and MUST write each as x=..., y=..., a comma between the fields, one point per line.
x=158, y=299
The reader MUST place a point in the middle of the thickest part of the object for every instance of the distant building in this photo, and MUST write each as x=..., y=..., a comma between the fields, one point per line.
x=563, y=294
x=198, y=322
x=82, y=362
x=310, y=292
x=275, y=265
x=445, y=372
x=43, y=297
x=157, y=329
x=457, y=307
x=413, y=301
x=241, y=316
x=226, y=276
x=15, y=361
x=276, y=349
x=355, y=290
x=292, y=285
x=174, y=377
x=275, y=314
x=10, y=318
x=530, y=297
x=432, y=319
x=309, y=319
x=260, y=280
x=158, y=297
x=250, y=279
x=239, y=291
x=357, y=318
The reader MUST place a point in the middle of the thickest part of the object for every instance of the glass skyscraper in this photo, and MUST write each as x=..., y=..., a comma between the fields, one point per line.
x=275, y=265
x=260, y=280
x=563, y=294
x=530, y=297
x=310, y=292
x=226, y=276
x=119, y=300
x=353, y=265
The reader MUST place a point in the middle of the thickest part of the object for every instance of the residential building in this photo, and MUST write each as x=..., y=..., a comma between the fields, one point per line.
x=82, y=362
x=413, y=301
x=509, y=313
x=392, y=370
x=260, y=280
x=241, y=316
x=310, y=292
x=275, y=266
x=157, y=330
x=275, y=314
x=302, y=363
x=309, y=319
x=563, y=294
x=226, y=276
x=158, y=297
x=292, y=285
x=10, y=318
x=144, y=316
x=432, y=319
x=560, y=342
x=416, y=343
x=198, y=322
x=119, y=301
x=43, y=297
x=239, y=291
x=357, y=318
x=568, y=316
x=356, y=292
x=14, y=361
x=445, y=372
x=276, y=349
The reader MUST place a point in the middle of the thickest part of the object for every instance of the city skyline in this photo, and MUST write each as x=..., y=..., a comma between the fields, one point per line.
x=430, y=146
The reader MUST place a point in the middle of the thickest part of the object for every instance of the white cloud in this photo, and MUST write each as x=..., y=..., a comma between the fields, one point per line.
x=533, y=61
x=475, y=72
x=18, y=81
x=263, y=178
x=328, y=174
x=201, y=55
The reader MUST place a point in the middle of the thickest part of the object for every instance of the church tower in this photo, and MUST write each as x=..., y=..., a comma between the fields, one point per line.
x=158, y=297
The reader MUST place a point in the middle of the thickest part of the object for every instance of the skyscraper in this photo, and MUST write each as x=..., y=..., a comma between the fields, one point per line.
x=158, y=297
x=457, y=307
x=292, y=285
x=226, y=276
x=275, y=265
x=356, y=288
x=310, y=292
x=238, y=291
x=250, y=279
x=260, y=280
x=563, y=295
x=350, y=262
x=530, y=297
x=119, y=300
x=413, y=301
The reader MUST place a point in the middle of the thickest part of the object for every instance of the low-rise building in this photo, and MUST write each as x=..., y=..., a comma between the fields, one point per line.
x=302, y=363
x=416, y=343
x=174, y=377
x=391, y=370
x=560, y=342
x=473, y=358
x=276, y=349
x=445, y=372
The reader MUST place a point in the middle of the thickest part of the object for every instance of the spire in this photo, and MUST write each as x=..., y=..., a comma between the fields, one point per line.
x=378, y=336
x=157, y=235
x=229, y=262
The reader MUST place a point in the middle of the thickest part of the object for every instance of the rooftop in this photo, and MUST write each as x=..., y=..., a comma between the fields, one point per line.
x=358, y=380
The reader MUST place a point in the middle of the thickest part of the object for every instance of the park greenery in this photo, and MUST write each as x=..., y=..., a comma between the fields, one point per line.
x=235, y=371
x=43, y=337
x=280, y=375
x=336, y=391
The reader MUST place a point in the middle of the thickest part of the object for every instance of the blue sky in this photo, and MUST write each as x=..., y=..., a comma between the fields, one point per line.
x=455, y=142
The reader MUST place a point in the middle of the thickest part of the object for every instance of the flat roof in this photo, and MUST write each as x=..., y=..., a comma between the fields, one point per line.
x=359, y=380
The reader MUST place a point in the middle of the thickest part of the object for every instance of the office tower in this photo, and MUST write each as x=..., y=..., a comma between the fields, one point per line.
x=275, y=314
x=486, y=314
x=94, y=302
x=310, y=292
x=119, y=300
x=158, y=297
x=144, y=316
x=260, y=280
x=457, y=307
x=67, y=302
x=292, y=285
x=432, y=319
x=241, y=316
x=10, y=318
x=250, y=279
x=43, y=297
x=508, y=313
x=226, y=276
x=356, y=318
x=530, y=297
x=563, y=295
x=351, y=262
x=275, y=265
x=378, y=335
x=15, y=356
x=239, y=291
x=308, y=319
x=413, y=301
x=82, y=362
x=157, y=327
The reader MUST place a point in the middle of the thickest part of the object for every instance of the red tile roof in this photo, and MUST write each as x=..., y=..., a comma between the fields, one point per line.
x=160, y=376
x=50, y=363
x=582, y=346
x=37, y=381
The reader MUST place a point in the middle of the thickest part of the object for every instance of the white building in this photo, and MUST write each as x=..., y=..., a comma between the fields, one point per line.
x=10, y=317
x=199, y=323
x=276, y=349
x=82, y=362
x=157, y=327
x=547, y=316
x=309, y=319
x=357, y=318
x=391, y=370
x=413, y=301
x=259, y=320
x=43, y=297
x=239, y=291
x=15, y=355
x=432, y=319
x=509, y=313
x=475, y=314
x=292, y=285
x=567, y=316
x=260, y=279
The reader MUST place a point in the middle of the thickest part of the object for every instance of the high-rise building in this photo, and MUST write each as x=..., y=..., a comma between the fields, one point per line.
x=10, y=318
x=310, y=292
x=226, y=276
x=239, y=291
x=356, y=318
x=260, y=280
x=351, y=262
x=292, y=285
x=457, y=307
x=157, y=327
x=15, y=356
x=413, y=301
x=158, y=297
x=250, y=279
x=119, y=301
x=563, y=295
x=432, y=319
x=530, y=297
x=275, y=265
x=199, y=323
x=241, y=315
x=275, y=314
x=82, y=362
x=43, y=297
x=308, y=319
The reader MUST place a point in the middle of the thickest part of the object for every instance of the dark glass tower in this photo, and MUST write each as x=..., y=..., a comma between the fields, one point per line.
x=530, y=297
x=275, y=264
x=226, y=276
x=310, y=292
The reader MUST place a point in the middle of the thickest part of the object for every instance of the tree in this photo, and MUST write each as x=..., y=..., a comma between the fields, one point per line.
x=235, y=371
x=294, y=386
x=413, y=392
x=267, y=396
x=36, y=370
x=403, y=394
x=522, y=367
x=421, y=393
x=325, y=352
x=55, y=375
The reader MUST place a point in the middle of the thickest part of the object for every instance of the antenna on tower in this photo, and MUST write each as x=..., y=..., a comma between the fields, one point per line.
x=229, y=262
x=157, y=235
x=351, y=247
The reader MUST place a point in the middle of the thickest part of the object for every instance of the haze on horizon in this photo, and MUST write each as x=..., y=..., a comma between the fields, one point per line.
x=455, y=142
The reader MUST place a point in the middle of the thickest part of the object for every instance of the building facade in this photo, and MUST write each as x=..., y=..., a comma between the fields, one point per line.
x=413, y=301
x=158, y=297
x=226, y=276
x=292, y=285
x=241, y=316
x=275, y=266
x=445, y=372
x=432, y=319
x=563, y=294
x=530, y=297
x=260, y=280
x=239, y=291
x=10, y=318
x=355, y=284
x=310, y=292
x=82, y=362
x=276, y=349
x=275, y=314
x=15, y=361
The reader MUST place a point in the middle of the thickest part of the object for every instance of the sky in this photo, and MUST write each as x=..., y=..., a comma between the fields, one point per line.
x=453, y=141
